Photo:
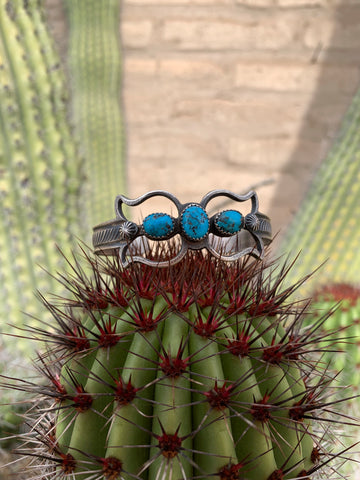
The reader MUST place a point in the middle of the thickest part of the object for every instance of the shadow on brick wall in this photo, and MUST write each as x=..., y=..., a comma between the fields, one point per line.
x=338, y=82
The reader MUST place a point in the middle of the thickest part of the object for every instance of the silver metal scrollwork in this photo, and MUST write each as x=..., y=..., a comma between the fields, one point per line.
x=228, y=234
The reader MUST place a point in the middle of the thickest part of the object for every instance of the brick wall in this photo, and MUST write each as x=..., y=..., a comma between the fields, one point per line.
x=234, y=93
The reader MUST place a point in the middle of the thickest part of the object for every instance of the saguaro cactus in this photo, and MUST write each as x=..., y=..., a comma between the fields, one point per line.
x=45, y=195
x=196, y=370
x=40, y=170
x=40, y=176
x=94, y=64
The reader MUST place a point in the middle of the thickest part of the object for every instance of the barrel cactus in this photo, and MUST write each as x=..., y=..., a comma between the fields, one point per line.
x=195, y=370
x=344, y=299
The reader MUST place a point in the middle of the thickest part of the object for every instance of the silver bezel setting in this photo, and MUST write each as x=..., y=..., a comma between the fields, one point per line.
x=109, y=238
x=221, y=230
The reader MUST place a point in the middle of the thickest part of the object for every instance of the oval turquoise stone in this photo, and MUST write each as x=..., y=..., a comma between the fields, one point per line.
x=195, y=222
x=158, y=225
x=229, y=221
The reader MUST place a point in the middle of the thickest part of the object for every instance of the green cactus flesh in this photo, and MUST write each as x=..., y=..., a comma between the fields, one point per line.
x=40, y=181
x=199, y=370
x=344, y=325
x=94, y=64
x=326, y=225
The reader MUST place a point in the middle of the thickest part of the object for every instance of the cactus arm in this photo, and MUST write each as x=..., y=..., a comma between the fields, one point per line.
x=39, y=203
x=52, y=153
x=61, y=150
x=69, y=165
x=94, y=72
x=14, y=148
x=12, y=248
x=33, y=144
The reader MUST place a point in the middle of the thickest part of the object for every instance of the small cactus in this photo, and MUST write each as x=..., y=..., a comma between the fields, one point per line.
x=199, y=370
x=344, y=299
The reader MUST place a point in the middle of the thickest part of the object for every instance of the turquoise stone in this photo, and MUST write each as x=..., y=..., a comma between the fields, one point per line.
x=195, y=222
x=158, y=225
x=229, y=222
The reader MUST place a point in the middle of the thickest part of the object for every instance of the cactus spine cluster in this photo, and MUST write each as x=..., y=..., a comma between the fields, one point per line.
x=94, y=65
x=198, y=370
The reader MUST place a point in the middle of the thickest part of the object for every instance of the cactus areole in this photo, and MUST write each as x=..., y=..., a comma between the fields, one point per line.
x=198, y=370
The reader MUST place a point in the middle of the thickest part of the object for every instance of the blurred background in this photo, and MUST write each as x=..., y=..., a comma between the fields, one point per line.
x=233, y=93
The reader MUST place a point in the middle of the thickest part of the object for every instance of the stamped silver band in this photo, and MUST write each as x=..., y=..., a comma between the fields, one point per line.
x=228, y=234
